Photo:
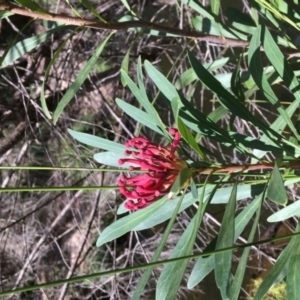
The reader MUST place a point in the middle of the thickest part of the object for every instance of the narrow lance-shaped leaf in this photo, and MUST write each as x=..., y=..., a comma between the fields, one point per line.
x=52, y=61
x=126, y=224
x=75, y=86
x=172, y=274
x=97, y=142
x=26, y=45
x=279, y=265
x=240, y=272
x=145, y=278
x=141, y=96
x=205, y=265
x=223, y=260
x=286, y=213
x=139, y=115
x=293, y=274
x=257, y=72
x=276, y=191
x=33, y=6
x=176, y=105
x=226, y=98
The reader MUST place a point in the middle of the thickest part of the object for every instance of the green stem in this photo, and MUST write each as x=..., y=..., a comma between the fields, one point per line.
x=140, y=267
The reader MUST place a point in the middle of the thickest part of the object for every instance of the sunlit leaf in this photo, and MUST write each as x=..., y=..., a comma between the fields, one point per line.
x=286, y=213
x=145, y=278
x=97, y=142
x=27, y=45
x=138, y=115
x=143, y=99
x=276, y=191
x=205, y=265
x=172, y=274
x=215, y=6
x=128, y=223
x=110, y=158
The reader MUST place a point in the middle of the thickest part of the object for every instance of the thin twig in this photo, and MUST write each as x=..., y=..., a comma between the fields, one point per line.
x=143, y=24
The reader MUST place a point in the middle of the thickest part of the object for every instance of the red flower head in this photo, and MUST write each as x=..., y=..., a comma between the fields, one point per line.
x=162, y=165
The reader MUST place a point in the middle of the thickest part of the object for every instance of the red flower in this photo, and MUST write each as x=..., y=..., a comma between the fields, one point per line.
x=162, y=165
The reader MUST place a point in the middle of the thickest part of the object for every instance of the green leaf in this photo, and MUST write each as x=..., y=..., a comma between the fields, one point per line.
x=293, y=274
x=83, y=74
x=188, y=137
x=236, y=82
x=172, y=274
x=257, y=72
x=97, y=142
x=27, y=45
x=278, y=125
x=31, y=5
x=226, y=98
x=286, y=213
x=126, y=224
x=125, y=3
x=189, y=75
x=183, y=177
x=215, y=6
x=279, y=265
x=52, y=61
x=138, y=115
x=194, y=189
x=141, y=96
x=88, y=5
x=213, y=28
x=280, y=63
x=205, y=265
x=240, y=272
x=140, y=78
x=110, y=159
x=276, y=191
x=220, y=197
x=225, y=239
x=163, y=84
x=145, y=278
x=125, y=61
x=192, y=117
x=125, y=65
x=176, y=105
x=198, y=7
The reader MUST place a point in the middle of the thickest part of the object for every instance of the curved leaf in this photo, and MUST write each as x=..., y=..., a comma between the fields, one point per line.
x=97, y=142
x=83, y=74
x=128, y=223
x=286, y=213
x=225, y=239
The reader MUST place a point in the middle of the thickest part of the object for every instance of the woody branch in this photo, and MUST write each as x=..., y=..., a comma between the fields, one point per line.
x=143, y=24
